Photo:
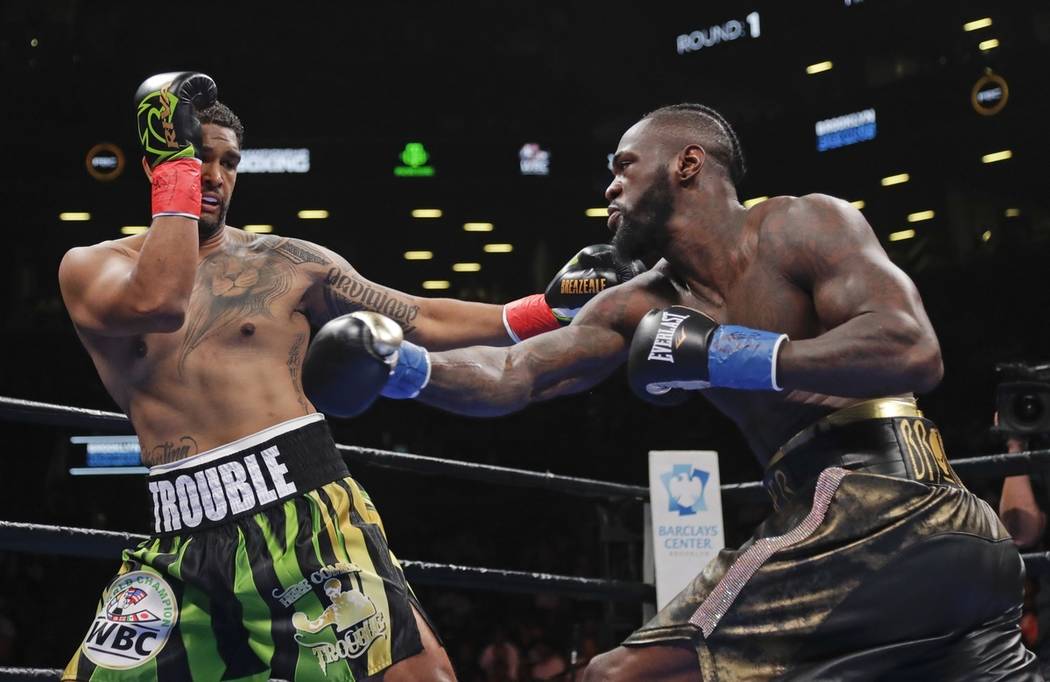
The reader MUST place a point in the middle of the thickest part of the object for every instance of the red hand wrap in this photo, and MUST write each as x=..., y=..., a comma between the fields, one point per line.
x=528, y=316
x=177, y=188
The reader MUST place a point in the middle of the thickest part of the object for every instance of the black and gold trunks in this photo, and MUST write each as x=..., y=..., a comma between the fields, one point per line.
x=876, y=563
x=268, y=561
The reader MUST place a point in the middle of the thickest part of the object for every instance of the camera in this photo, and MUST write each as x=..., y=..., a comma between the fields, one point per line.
x=1022, y=398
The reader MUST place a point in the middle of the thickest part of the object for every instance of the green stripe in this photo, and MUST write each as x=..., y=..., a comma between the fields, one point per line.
x=277, y=553
x=256, y=615
x=195, y=623
x=179, y=551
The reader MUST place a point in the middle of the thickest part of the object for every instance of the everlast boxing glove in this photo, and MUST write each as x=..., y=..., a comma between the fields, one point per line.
x=170, y=135
x=355, y=358
x=591, y=271
x=682, y=348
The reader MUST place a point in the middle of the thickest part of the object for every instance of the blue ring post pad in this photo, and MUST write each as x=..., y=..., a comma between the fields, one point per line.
x=741, y=357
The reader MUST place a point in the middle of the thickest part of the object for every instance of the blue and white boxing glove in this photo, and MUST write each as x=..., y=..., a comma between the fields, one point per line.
x=682, y=348
x=355, y=358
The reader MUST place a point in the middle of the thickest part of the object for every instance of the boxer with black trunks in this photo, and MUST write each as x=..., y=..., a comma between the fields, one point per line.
x=267, y=559
x=791, y=319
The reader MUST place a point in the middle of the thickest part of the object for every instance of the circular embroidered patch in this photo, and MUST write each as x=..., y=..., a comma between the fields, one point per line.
x=133, y=624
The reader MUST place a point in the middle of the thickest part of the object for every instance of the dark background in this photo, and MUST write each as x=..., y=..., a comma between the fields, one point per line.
x=474, y=82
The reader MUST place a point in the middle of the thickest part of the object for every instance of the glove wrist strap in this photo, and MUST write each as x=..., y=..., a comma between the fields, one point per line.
x=177, y=189
x=744, y=358
x=528, y=316
x=410, y=374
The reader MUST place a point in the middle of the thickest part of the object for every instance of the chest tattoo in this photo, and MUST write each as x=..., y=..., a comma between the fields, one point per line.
x=241, y=281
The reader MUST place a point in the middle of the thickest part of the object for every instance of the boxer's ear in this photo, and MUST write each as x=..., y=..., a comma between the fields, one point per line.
x=690, y=162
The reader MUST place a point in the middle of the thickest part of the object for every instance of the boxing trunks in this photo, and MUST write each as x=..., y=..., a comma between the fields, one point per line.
x=876, y=563
x=267, y=561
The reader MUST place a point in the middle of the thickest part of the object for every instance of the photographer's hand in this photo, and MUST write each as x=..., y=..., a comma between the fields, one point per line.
x=1017, y=506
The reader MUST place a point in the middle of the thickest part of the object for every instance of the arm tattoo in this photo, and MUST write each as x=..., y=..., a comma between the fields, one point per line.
x=346, y=293
x=299, y=253
x=295, y=363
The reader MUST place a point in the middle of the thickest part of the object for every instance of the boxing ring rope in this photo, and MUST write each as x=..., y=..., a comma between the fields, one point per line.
x=107, y=544
x=29, y=674
x=16, y=409
x=984, y=466
x=103, y=544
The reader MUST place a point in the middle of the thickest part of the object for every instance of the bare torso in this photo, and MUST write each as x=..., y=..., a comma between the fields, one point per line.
x=234, y=366
x=763, y=296
x=763, y=300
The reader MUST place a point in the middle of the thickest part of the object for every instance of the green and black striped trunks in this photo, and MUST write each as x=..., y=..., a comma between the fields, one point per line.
x=267, y=562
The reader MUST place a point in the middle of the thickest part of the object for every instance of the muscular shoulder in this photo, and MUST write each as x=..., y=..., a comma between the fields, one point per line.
x=797, y=221
x=299, y=251
x=300, y=254
x=801, y=233
x=128, y=247
x=81, y=262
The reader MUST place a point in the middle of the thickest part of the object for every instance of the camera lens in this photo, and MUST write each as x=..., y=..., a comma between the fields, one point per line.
x=1028, y=408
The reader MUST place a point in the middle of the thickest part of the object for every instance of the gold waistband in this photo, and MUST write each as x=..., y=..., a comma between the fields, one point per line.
x=879, y=408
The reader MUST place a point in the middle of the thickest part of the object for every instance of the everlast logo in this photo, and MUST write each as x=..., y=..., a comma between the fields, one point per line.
x=165, y=117
x=219, y=491
x=661, y=348
x=589, y=285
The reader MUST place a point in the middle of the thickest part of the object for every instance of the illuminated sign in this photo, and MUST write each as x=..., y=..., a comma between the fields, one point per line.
x=110, y=451
x=104, y=162
x=989, y=94
x=274, y=161
x=845, y=130
x=748, y=27
x=414, y=157
x=534, y=160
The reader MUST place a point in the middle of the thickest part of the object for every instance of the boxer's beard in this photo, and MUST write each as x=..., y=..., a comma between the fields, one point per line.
x=643, y=229
x=207, y=228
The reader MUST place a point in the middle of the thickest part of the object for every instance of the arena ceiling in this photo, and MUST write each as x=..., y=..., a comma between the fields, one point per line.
x=476, y=82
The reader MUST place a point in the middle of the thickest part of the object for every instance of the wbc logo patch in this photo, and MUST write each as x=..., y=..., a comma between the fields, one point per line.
x=137, y=615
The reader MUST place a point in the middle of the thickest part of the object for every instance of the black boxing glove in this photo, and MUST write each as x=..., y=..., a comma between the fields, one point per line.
x=682, y=348
x=356, y=357
x=591, y=271
x=170, y=135
x=168, y=126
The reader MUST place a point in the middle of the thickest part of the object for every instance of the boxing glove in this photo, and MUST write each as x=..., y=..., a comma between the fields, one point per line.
x=356, y=357
x=591, y=271
x=167, y=124
x=682, y=348
x=170, y=135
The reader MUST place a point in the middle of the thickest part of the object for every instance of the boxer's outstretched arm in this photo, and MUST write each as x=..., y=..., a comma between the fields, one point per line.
x=879, y=340
x=437, y=323
x=488, y=382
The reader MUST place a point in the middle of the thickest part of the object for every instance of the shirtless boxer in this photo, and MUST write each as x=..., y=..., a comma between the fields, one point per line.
x=198, y=331
x=876, y=562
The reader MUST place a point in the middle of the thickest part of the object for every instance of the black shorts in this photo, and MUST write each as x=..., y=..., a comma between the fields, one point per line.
x=268, y=561
x=875, y=564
